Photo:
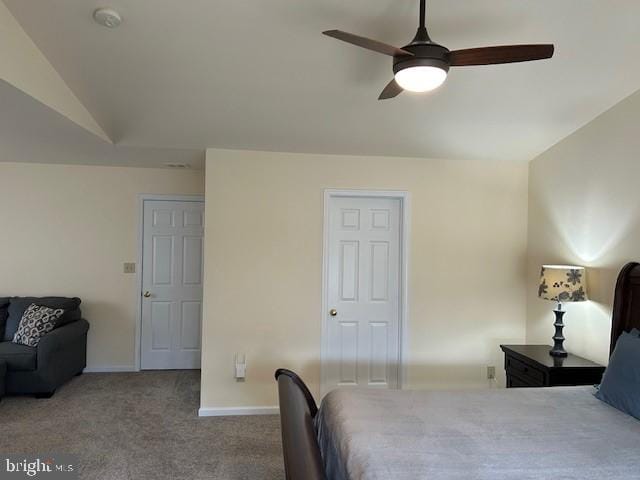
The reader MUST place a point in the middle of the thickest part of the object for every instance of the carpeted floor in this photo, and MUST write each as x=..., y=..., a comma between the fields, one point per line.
x=141, y=426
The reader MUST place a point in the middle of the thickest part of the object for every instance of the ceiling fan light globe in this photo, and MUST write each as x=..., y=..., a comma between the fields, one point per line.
x=421, y=78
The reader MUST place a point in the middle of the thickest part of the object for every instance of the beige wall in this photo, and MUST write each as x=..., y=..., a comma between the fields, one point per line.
x=263, y=261
x=584, y=208
x=66, y=230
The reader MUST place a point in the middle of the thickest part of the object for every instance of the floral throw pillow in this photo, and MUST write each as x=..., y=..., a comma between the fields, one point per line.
x=36, y=322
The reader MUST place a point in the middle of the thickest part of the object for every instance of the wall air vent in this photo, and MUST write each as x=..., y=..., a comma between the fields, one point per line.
x=177, y=165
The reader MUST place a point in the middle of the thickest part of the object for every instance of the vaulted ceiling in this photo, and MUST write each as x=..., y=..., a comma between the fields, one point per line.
x=259, y=75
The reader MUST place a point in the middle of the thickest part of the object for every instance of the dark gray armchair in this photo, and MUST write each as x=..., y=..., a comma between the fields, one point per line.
x=60, y=355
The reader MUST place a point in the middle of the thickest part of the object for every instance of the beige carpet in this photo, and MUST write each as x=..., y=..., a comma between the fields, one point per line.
x=141, y=426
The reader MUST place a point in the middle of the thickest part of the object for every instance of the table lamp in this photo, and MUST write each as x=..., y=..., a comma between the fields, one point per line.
x=561, y=283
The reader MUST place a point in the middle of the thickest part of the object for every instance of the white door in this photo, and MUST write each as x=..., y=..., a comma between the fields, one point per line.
x=362, y=326
x=172, y=284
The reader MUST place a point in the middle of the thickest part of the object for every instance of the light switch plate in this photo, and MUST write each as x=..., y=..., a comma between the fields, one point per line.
x=129, y=267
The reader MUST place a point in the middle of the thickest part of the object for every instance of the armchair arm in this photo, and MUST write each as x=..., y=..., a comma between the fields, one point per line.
x=58, y=338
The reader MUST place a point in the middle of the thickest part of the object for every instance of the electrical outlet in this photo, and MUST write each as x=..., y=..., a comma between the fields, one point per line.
x=241, y=366
x=129, y=267
x=491, y=373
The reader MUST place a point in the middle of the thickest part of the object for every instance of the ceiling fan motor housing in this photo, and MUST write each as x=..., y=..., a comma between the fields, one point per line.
x=423, y=65
x=425, y=55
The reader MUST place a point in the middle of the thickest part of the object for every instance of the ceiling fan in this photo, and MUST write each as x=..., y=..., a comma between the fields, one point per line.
x=423, y=65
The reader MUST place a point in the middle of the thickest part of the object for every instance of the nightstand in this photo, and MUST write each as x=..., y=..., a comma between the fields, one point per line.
x=532, y=366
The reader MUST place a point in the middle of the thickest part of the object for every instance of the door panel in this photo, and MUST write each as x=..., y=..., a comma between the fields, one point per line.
x=349, y=255
x=163, y=218
x=172, y=275
x=361, y=346
x=348, y=353
x=378, y=353
x=192, y=219
x=379, y=268
x=160, y=325
x=191, y=325
x=192, y=261
x=162, y=260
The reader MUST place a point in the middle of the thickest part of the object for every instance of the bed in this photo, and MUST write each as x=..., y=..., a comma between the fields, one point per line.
x=561, y=432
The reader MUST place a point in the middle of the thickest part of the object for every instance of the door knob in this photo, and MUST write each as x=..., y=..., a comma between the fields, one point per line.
x=146, y=294
x=333, y=312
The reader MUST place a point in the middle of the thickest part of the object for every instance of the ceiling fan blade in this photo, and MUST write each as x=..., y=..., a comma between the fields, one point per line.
x=503, y=54
x=367, y=43
x=392, y=90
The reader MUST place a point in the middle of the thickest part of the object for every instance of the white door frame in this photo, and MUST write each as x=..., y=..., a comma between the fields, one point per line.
x=405, y=210
x=141, y=199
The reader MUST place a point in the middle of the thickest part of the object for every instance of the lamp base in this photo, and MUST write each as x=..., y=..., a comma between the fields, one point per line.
x=562, y=353
x=558, y=338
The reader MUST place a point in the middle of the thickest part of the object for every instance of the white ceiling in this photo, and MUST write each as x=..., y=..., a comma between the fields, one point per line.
x=30, y=132
x=257, y=74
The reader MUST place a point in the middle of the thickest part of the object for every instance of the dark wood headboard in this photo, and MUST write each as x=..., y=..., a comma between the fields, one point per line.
x=626, y=302
x=302, y=457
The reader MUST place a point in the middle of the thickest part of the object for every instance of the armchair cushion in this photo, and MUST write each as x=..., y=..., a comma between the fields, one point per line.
x=18, y=305
x=3, y=373
x=4, y=304
x=60, y=338
x=18, y=357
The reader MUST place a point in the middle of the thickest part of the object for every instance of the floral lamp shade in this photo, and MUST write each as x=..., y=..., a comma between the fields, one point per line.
x=563, y=283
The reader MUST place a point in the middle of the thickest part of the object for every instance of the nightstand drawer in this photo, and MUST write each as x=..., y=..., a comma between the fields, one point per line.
x=513, y=381
x=532, y=366
x=526, y=372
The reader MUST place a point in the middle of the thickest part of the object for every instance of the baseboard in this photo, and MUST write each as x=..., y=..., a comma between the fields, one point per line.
x=230, y=411
x=110, y=368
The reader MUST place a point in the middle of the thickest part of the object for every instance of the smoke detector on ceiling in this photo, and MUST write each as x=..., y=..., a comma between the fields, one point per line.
x=107, y=17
